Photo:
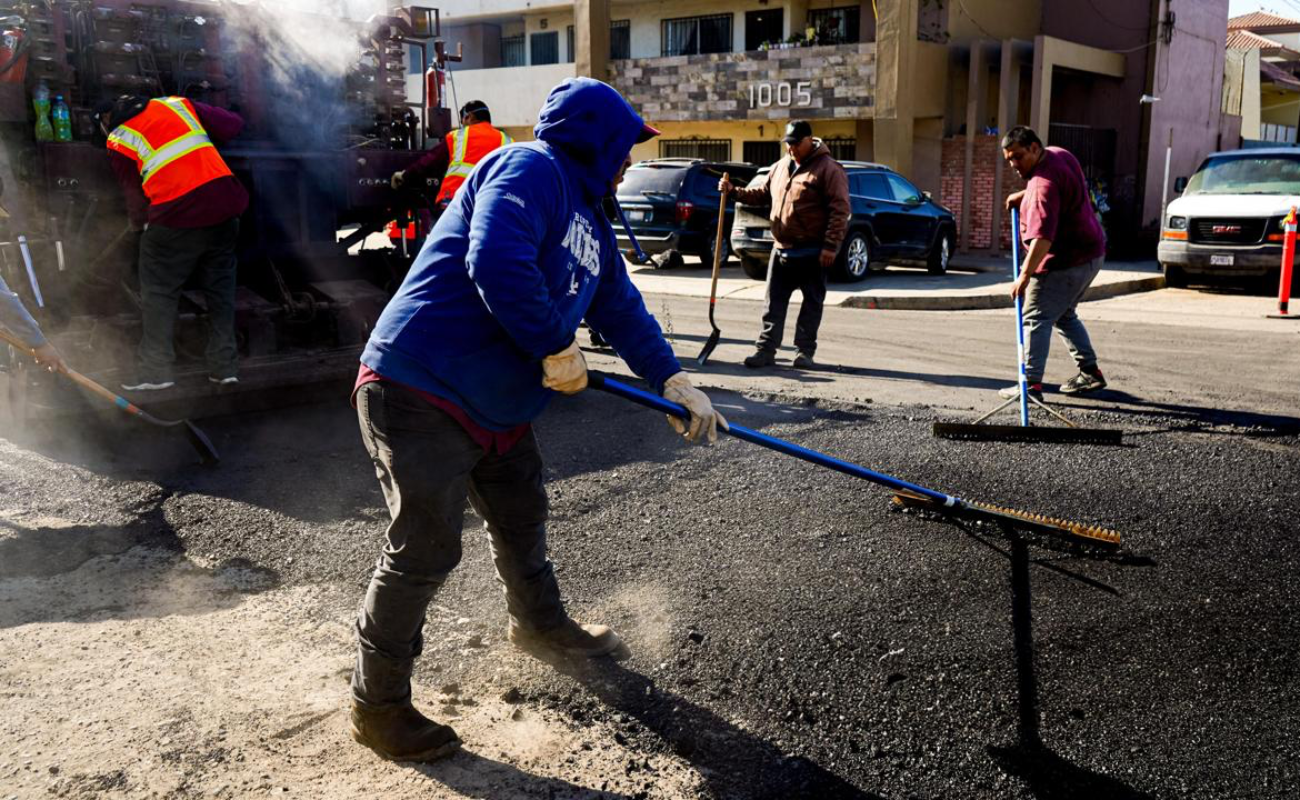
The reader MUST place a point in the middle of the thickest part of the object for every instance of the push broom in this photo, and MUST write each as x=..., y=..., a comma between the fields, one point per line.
x=905, y=493
x=197, y=439
x=1024, y=432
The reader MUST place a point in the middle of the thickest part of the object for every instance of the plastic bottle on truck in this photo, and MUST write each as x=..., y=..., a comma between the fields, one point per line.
x=41, y=102
x=62, y=120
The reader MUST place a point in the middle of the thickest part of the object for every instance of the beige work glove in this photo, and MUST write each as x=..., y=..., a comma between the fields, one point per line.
x=565, y=371
x=397, y=180
x=704, y=417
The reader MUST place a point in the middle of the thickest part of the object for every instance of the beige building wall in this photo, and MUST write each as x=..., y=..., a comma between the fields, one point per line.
x=994, y=19
x=738, y=133
x=1250, y=96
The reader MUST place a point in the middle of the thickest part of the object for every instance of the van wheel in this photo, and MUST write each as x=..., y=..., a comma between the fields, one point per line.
x=855, y=260
x=1175, y=276
x=755, y=268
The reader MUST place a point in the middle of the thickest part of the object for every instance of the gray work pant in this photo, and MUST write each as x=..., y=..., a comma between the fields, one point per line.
x=1050, y=302
x=168, y=258
x=784, y=275
x=427, y=466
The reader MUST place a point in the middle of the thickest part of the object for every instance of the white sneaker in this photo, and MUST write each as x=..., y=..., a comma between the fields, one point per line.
x=147, y=385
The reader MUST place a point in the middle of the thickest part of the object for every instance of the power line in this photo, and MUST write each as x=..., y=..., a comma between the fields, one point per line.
x=974, y=21
x=1113, y=23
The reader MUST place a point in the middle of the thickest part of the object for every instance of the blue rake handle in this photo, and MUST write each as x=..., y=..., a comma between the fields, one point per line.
x=1020, y=319
x=641, y=257
x=945, y=502
x=605, y=383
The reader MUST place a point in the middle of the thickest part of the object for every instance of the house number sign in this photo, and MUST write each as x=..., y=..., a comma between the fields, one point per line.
x=780, y=93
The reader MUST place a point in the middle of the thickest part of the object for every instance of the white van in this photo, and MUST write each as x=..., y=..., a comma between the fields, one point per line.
x=1228, y=221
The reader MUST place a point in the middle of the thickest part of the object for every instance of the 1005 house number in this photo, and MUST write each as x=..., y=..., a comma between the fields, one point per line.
x=783, y=93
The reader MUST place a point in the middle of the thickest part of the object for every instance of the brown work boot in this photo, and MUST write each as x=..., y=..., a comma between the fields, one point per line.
x=569, y=640
x=401, y=733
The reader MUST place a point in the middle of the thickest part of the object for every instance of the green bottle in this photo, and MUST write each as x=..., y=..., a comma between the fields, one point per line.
x=62, y=120
x=41, y=102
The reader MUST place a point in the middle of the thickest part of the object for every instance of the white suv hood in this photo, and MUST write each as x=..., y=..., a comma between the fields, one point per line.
x=1232, y=205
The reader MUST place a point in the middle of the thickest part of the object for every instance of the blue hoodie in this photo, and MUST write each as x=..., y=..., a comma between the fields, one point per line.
x=521, y=255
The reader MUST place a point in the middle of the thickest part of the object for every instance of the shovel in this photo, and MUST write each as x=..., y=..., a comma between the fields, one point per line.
x=717, y=265
x=197, y=439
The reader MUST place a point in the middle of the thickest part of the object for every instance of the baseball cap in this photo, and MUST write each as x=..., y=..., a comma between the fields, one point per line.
x=647, y=133
x=796, y=131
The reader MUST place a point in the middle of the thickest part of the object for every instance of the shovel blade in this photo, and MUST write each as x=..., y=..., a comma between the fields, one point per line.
x=708, y=347
x=201, y=444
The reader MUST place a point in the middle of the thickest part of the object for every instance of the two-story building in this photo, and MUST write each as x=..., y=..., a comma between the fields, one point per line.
x=923, y=86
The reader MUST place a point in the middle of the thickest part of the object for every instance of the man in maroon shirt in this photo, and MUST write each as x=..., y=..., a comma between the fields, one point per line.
x=1067, y=248
x=193, y=234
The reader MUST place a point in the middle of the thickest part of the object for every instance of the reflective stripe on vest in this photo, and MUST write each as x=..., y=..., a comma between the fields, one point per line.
x=463, y=157
x=170, y=147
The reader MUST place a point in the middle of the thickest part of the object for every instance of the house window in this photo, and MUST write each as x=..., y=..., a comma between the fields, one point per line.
x=570, y=53
x=544, y=48
x=762, y=153
x=620, y=40
x=767, y=26
x=512, y=51
x=707, y=149
x=835, y=25
x=689, y=36
x=842, y=149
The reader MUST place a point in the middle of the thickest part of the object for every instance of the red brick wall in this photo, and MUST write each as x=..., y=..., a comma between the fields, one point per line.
x=952, y=174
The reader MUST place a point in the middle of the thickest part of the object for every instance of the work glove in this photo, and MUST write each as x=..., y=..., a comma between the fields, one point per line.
x=565, y=371
x=397, y=180
x=704, y=417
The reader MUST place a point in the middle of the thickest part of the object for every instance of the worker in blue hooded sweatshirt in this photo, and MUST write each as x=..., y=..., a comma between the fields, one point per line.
x=478, y=339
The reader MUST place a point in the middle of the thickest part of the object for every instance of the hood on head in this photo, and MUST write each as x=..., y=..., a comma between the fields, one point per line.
x=592, y=123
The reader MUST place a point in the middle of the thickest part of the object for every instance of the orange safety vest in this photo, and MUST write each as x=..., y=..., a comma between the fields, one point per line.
x=173, y=152
x=467, y=147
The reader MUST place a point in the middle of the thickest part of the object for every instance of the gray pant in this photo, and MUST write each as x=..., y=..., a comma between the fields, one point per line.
x=1050, y=301
x=168, y=258
x=784, y=275
x=427, y=466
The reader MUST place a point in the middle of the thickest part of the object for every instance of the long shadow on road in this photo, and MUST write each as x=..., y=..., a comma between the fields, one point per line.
x=735, y=763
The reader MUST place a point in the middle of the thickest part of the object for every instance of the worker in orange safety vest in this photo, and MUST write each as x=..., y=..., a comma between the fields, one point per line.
x=181, y=194
x=453, y=159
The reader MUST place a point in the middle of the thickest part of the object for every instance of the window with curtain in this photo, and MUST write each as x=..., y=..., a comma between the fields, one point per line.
x=688, y=36
x=544, y=48
x=835, y=25
x=620, y=40
x=512, y=51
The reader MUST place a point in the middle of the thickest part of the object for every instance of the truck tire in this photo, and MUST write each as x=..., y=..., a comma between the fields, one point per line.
x=754, y=267
x=1175, y=277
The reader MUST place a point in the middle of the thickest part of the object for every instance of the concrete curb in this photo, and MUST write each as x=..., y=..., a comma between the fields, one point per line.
x=987, y=301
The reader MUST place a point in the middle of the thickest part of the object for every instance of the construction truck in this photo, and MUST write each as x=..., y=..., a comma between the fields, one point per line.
x=327, y=121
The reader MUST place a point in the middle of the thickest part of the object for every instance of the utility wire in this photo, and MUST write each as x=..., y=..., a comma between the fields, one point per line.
x=974, y=21
x=1112, y=23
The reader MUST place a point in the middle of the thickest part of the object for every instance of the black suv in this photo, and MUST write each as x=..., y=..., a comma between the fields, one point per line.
x=672, y=206
x=891, y=220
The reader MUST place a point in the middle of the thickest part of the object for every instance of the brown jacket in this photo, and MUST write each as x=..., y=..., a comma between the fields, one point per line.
x=810, y=204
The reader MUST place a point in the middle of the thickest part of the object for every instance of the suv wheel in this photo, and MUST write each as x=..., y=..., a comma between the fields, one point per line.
x=855, y=260
x=755, y=268
x=941, y=253
x=1175, y=277
x=706, y=253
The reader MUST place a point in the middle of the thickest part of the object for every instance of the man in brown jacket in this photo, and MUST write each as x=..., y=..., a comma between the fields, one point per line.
x=809, y=193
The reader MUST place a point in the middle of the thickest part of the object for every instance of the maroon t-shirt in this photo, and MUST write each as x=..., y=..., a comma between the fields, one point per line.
x=1057, y=207
x=208, y=204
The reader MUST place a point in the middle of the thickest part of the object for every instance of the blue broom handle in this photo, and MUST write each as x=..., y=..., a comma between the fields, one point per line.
x=641, y=257
x=1020, y=319
x=597, y=380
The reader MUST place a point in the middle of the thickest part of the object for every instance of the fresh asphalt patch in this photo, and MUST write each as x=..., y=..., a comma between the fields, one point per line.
x=791, y=635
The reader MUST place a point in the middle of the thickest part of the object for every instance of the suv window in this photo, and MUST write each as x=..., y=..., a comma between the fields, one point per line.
x=904, y=192
x=870, y=184
x=654, y=179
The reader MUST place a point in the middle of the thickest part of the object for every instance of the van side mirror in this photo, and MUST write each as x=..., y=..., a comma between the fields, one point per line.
x=1179, y=185
x=928, y=196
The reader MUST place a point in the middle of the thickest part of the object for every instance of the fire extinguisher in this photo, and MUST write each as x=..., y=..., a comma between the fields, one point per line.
x=435, y=82
x=13, y=56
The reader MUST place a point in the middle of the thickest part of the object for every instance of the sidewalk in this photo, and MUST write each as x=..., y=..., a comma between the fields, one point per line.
x=972, y=282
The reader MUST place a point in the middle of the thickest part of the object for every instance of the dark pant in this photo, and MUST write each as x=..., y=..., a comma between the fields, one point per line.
x=784, y=275
x=427, y=466
x=168, y=258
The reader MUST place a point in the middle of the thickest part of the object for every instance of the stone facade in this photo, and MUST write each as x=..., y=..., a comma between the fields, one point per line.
x=829, y=82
